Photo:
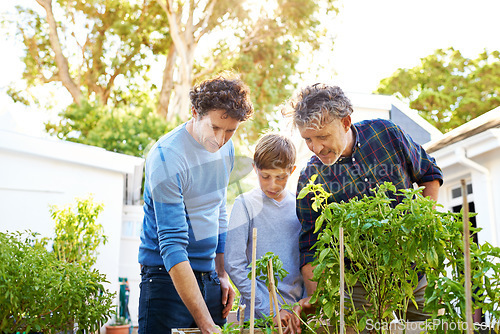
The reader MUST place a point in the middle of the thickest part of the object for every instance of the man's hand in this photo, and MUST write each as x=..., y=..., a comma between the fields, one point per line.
x=228, y=295
x=187, y=286
x=294, y=323
x=285, y=317
x=211, y=330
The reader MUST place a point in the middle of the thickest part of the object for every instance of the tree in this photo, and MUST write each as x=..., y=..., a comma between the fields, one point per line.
x=124, y=129
x=87, y=46
x=102, y=53
x=447, y=88
x=248, y=33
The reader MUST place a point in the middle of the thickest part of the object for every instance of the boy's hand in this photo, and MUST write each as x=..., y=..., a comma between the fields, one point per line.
x=285, y=317
x=302, y=306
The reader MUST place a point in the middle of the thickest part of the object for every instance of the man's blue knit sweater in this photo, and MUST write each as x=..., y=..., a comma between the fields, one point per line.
x=185, y=215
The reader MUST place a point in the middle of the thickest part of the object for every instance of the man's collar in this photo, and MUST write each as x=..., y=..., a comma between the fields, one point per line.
x=355, y=146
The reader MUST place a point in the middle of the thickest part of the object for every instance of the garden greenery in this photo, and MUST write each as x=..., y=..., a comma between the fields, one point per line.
x=39, y=292
x=261, y=269
x=77, y=234
x=386, y=246
x=56, y=291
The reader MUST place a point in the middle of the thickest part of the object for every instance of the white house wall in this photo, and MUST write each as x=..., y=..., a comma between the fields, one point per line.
x=30, y=183
x=479, y=149
x=129, y=251
x=486, y=190
x=361, y=114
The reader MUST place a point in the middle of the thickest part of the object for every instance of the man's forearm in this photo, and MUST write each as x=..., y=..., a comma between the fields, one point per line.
x=431, y=189
x=307, y=274
x=219, y=265
x=187, y=287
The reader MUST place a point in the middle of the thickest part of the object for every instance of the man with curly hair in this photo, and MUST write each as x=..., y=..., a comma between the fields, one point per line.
x=184, y=283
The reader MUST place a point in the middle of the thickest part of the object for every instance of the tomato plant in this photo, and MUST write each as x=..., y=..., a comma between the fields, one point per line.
x=387, y=244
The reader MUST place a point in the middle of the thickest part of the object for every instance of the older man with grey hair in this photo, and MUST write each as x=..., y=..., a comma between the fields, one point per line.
x=350, y=159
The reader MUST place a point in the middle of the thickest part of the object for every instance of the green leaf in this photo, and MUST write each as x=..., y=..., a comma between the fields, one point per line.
x=432, y=258
x=328, y=309
x=361, y=324
x=323, y=254
x=319, y=223
x=314, y=205
x=303, y=192
x=366, y=226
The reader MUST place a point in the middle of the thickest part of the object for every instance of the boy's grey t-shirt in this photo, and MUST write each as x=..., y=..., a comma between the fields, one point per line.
x=277, y=231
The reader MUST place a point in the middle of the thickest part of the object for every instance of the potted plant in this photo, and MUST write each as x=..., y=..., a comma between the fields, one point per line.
x=58, y=290
x=120, y=325
x=41, y=293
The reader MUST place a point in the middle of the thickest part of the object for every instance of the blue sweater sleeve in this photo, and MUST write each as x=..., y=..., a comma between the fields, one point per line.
x=223, y=218
x=167, y=184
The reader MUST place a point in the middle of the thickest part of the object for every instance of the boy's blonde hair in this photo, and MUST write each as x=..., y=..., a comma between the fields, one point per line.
x=274, y=151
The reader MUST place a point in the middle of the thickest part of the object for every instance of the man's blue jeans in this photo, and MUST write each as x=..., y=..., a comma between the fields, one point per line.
x=161, y=308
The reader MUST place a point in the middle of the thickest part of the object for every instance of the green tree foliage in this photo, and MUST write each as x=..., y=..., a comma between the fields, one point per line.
x=87, y=46
x=447, y=88
x=123, y=129
x=102, y=53
x=229, y=30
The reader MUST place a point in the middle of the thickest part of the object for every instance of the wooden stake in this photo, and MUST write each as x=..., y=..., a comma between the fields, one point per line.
x=342, y=291
x=242, y=316
x=252, y=294
x=272, y=287
x=468, y=285
x=271, y=309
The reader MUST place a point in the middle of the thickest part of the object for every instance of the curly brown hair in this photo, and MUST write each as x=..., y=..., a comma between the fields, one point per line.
x=224, y=92
x=318, y=104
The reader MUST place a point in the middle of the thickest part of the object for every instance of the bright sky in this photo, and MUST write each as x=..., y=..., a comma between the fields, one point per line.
x=375, y=38
x=372, y=39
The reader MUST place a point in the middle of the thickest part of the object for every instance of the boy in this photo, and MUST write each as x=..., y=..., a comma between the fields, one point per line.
x=270, y=209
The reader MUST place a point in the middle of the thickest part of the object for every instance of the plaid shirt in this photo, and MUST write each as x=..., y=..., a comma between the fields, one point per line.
x=382, y=152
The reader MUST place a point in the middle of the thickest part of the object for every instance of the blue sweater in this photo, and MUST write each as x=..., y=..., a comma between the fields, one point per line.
x=185, y=215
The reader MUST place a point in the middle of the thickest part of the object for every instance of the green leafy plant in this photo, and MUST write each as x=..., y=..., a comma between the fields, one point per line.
x=40, y=292
x=265, y=324
x=119, y=321
x=230, y=328
x=262, y=272
x=261, y=268
x=449, y=281
x=386, y=245
x=77, y=234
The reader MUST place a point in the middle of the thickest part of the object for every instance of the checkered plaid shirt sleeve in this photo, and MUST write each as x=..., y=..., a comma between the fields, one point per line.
x=382, y=152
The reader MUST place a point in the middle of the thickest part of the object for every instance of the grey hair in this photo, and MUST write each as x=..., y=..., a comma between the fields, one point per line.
x=318, y=104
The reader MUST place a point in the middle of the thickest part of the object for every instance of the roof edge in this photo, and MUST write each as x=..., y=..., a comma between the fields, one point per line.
x=68, y=151
x=462, y=131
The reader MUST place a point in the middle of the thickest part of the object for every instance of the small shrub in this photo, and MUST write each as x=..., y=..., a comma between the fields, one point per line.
x=77, y=234
x=39, y=292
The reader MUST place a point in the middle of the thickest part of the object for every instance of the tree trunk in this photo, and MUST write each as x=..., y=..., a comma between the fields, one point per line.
x=61, y=61
x=182, y=103
x=167, y=83
x=185, y=41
